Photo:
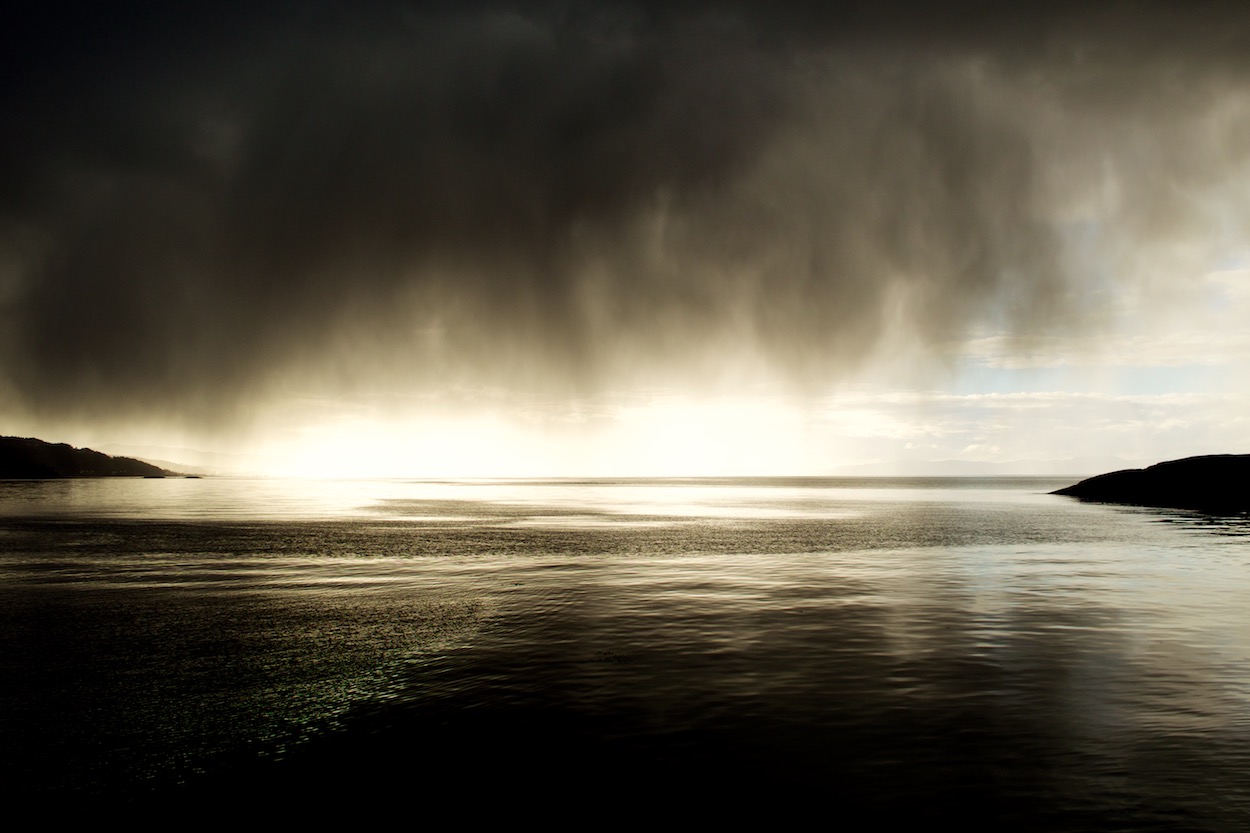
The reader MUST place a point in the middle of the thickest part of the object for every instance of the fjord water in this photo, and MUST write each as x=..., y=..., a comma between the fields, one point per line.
x=974, y=650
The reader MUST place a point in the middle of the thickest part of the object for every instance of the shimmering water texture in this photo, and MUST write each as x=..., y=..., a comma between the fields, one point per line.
x=974, y=651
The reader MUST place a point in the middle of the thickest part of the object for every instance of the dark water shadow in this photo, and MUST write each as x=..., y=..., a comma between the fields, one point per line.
x=1224, y=524
x=759, y=671
x=588, y=701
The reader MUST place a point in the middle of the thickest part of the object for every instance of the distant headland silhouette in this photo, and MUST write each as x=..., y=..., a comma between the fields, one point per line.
x=1212, y=483
x=25, y=458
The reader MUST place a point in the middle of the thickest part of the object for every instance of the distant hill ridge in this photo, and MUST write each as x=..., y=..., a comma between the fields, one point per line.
x=25, y=458
x=1213, y=483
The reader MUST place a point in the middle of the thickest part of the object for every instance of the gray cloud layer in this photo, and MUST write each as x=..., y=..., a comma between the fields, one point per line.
x=563, y=197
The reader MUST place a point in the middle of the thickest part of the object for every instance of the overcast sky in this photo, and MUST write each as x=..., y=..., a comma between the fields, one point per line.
x=628, y=238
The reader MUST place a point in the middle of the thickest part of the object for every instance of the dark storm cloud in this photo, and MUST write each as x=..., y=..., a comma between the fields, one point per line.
x=196, y=205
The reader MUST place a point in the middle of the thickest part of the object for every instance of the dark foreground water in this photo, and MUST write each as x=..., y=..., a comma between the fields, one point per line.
x=974, y=651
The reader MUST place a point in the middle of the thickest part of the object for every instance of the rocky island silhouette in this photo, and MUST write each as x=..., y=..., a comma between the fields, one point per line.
x=1217, y=483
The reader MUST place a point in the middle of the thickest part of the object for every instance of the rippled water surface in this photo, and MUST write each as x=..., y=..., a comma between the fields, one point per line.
x=968, y=650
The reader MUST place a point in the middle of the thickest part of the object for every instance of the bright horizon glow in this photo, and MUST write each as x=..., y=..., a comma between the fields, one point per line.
x=668, y=437
x=1164, y=382
x=1063, y=406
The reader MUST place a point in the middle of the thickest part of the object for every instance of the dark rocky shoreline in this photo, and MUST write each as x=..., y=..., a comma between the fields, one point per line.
x=25, y=458
x=1212, y=483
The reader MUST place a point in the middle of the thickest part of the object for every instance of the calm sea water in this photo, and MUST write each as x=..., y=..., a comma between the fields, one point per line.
x=969, y=650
